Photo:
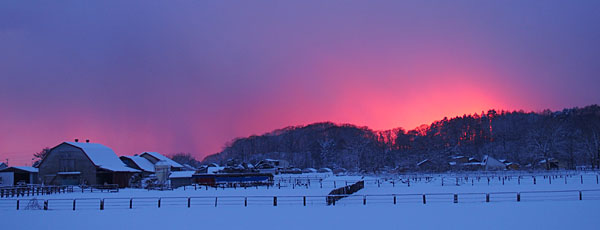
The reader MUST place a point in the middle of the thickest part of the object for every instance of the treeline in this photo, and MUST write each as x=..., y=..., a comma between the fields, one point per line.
x=571, y=136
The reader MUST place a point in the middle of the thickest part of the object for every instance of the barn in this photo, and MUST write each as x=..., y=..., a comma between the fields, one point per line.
x=139, y=163
x=18, y=175
x=76, y=163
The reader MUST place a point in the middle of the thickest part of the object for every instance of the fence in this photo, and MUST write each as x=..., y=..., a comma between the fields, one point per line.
x=37, y=190
x=242, y=201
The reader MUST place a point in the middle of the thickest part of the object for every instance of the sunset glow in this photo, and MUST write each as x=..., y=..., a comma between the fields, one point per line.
x=191, y=77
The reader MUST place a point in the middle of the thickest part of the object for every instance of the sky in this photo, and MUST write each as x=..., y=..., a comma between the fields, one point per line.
x=189, y=76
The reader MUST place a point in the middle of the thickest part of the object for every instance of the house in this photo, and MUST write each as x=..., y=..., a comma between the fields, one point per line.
x=548, y=164
x=76, y=163
x=18, y=175
x=139, y=163
x=491, y=164
x=156, y=157
x=426, y=165
x=3, y=165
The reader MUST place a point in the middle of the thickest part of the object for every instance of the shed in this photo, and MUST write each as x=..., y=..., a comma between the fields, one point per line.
x=181, y=178
x=138, y=163
x=18, y=175
x=75, y=163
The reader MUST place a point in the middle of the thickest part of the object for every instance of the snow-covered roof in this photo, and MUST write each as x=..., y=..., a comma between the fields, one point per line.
x=181, y=174
x=422, y=162
x=102, y=156
x=23, y=168
x=141, y=162
x=160, y=157
x=213, y=170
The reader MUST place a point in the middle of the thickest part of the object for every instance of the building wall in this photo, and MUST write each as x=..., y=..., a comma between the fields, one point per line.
x=7, y=179
x=51, y=165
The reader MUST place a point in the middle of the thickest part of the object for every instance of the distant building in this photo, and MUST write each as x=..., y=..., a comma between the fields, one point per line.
x=154, y=157
x=181, y=178
x=491, y=164
x=76, y=163
x=18, y=175
x=3, y=165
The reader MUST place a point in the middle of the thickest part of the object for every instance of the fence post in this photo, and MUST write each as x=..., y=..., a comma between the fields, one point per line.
x=580, y=196
x=73, y=204
x=534, y=180
x=46, y=205
x=596, y=179
x=364, y=200
x=443, y=181
x=550, y=179
x=245, y=201
x=519, y=179
x=158, y=202
x=304, y=200
x=394, y=199
x=102, y=204
x=274, y=201
x=189, y=202
x=130, y=203
x=455, y=198
x=17, y=204
x=333, y=201
x=334, y=186
x=424, y=199
x=487, y=197
x=216, y=199
x=518, y=197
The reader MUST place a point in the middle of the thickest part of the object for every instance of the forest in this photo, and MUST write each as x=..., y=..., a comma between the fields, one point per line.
x=570, y=136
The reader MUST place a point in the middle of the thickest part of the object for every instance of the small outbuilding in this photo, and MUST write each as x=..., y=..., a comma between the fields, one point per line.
x=18, y=175
x=181, y=178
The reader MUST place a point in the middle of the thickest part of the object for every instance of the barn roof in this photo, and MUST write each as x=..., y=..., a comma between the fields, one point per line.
x=160, y=157
x=141, y=162
x=102, y=156
x=22, y=168
x=182, y=174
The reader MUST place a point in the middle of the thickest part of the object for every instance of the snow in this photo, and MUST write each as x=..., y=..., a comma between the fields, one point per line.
x=25, y=168
x=160, y=157
x=143, y=163
x=103, y=157
x=534, y=215
x=550, y=203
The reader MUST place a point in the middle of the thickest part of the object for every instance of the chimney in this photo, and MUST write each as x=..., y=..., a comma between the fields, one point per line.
x=76, y=140
x=87, y=140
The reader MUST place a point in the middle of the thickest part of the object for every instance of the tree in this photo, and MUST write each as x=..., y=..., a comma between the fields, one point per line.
x=39, y=156
x=185, y=158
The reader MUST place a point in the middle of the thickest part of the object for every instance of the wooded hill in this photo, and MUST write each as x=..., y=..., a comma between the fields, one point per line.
x=571, y=136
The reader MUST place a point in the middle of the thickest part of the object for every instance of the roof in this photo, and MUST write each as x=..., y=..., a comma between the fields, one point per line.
x=422, y=162
x=182, y=174
x=160, y=157
x=22, y=168
x=102, y=156
x=141, y=162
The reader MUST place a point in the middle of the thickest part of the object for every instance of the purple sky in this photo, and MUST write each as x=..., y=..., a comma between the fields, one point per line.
x=188, y=76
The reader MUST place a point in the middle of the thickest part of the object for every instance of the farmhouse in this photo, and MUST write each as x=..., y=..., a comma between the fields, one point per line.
x=76, y=163
x=154, y=157
x=18, y=175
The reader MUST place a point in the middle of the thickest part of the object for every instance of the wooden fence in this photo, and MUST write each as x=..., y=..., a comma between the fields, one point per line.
x=243, y=201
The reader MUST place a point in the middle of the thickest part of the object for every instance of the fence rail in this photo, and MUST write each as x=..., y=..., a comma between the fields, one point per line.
x=344, y=200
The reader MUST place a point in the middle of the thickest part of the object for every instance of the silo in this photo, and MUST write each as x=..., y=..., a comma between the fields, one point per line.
x=163, y=170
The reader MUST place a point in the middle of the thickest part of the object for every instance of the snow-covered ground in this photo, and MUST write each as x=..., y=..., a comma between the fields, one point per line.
x=551, y=202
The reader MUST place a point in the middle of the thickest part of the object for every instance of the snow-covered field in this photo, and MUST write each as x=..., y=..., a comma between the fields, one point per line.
x=551, y=203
